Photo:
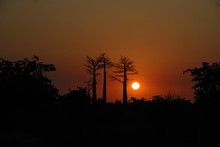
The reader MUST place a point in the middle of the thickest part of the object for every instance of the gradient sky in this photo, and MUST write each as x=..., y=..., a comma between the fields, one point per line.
x=162, y=37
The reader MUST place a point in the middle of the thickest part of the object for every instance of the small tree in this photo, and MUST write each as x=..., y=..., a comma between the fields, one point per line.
x=124, y=68
x=92, y=65
x=207, y=82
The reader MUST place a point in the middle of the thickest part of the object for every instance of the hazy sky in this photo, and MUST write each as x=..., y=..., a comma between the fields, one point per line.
x=162, y=37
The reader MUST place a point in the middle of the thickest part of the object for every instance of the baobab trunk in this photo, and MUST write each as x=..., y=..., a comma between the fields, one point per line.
x=124, y=68
x=125, y=88
x=94, y=96
x=104, y=84
x=92, y=65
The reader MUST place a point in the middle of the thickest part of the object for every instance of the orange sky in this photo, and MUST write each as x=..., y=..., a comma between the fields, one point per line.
x=162, y=37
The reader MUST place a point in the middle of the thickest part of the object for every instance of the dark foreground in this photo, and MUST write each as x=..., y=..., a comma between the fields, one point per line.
x=112, y=125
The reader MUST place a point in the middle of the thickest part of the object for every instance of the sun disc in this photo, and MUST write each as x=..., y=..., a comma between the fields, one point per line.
x=135, y=85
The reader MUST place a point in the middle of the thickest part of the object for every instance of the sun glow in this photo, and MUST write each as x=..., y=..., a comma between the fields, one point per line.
x=135, y=85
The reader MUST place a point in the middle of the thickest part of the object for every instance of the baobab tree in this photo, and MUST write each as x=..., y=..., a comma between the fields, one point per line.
x=92, y=65
x=124, y=68
x=105, y=63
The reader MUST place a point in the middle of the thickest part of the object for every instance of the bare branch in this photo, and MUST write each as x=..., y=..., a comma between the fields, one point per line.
x=133, y=73
x=116, y=78
x=187, y=71
x=92, y=65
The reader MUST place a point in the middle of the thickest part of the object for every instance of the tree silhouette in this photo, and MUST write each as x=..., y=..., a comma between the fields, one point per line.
x=207, y=82
x=124, y=68
x=106, y=63
x=92, y=65
x=24, y=84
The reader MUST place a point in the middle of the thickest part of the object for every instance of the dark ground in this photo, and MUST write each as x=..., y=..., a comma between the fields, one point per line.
x=112, y=125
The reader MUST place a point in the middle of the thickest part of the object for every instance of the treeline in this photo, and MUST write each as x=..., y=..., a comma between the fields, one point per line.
x=34, y=114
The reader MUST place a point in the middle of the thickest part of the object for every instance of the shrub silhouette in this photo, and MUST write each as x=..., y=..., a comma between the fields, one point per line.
x=76, y=99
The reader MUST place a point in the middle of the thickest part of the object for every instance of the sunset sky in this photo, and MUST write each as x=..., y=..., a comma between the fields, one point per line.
x=162, y=37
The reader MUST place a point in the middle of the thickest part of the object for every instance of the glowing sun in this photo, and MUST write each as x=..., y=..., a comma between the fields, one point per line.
x=135, y=85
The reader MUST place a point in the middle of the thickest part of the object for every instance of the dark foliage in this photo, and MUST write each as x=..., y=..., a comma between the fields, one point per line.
x=207, y=83
x=23, y=83
x=76, y=99
x=28, y=103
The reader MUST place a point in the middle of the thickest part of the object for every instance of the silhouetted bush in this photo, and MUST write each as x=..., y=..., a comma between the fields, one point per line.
x=23, y=84
x=77, y=98
x=207, y=83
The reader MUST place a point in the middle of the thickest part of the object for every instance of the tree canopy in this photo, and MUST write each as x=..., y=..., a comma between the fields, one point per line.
x=207, y=82
x=24, y=83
